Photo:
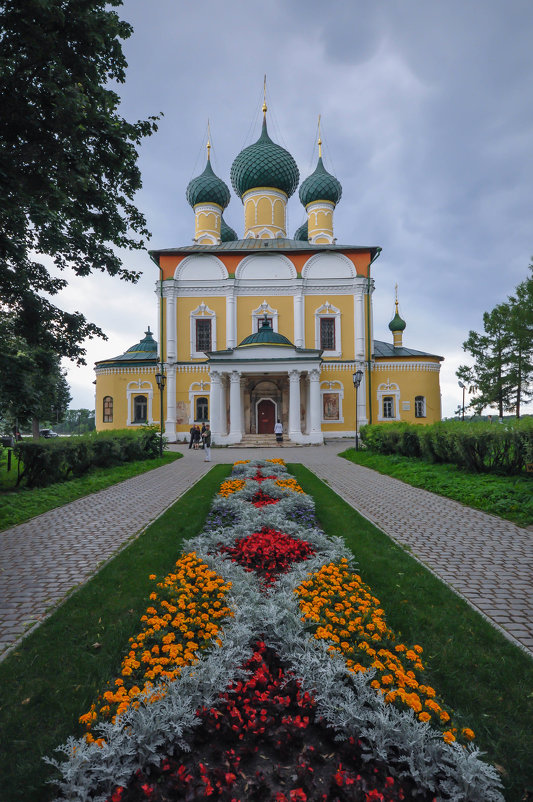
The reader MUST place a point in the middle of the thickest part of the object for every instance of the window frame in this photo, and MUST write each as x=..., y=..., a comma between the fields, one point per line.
x=107, y=409
x=197, y=417
x=206, y=323
x=420, y=403
x=136, y=401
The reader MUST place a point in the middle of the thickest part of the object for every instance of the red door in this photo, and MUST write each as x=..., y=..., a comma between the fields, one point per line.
x=266, y=417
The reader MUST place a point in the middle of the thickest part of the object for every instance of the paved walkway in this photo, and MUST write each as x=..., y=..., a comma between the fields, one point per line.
x=487, y=560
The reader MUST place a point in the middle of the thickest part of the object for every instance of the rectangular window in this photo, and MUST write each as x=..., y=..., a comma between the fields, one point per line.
x=327, y=333
x=261, y=320
x=203, y=335
x=420, y=406
x=388, y=406
x=108, y=409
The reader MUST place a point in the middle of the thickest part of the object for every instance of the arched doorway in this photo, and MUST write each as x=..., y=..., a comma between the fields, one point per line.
x=266, y=416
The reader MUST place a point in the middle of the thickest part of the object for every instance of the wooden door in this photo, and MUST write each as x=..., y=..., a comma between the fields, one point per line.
x=266, y=416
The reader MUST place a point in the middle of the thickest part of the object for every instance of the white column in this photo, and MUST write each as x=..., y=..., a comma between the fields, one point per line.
x=214, y=403
x=299, y=338
x=235, y=411
x=171, y=325
x=362, y=417
x=359, y=318
x=295, y=432
x=315, y=429
x=170, y=423
x=231, y=322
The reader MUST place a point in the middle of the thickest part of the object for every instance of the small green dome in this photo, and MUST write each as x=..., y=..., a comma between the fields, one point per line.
x=320, y=185
x=264, y=164
x=265, y=336
x=397, y=324
x=227, y=234
x=147, y=344
x=208, y=188
x=302, y=233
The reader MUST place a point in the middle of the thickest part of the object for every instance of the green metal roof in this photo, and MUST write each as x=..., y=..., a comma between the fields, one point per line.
x=208, y=188
x=382, y=349
x=320, y=185
x=265, y=336
x=252, y=244
x=264, y=164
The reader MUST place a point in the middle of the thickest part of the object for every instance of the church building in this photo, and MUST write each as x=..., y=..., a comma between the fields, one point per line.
x=266, y=327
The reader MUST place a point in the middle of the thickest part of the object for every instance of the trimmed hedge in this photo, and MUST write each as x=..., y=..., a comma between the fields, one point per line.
x=48, y=461
x=480, y=447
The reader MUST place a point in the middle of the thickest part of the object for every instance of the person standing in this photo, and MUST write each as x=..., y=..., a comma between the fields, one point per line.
x=278, y=431
x=191, y=432
x=207, y=443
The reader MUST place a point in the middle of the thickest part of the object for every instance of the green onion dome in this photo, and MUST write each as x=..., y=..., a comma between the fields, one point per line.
x=147, y=345
x=397, y=324
x=265, y=336
x=264, y=164
x=320, y=185
x=227, y=234
x=302, y=233
x=208, y=188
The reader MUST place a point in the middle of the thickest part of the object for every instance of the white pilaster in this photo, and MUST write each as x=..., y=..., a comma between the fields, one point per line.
x=299, y=338
x=295, y=431
x=315, y=430
x=171, y=325
x=362, y=417
x=170, y=423
x=215, y=398
x=235, y=410
x=231, y=322
x=359, y=319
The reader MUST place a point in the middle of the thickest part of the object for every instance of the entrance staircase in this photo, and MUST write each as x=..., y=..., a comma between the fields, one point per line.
x=263, y=441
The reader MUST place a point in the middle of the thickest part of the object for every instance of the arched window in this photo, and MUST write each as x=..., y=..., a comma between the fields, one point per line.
x=420, y=406
x=201, y=409
x=108, y=409
x=139, y=409
x=388, y=406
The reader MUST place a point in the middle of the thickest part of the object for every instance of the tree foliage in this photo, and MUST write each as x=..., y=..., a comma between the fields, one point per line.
x=67, y=161
x=502, y=373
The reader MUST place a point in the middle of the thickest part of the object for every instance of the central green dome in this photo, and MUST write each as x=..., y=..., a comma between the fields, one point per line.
x=264, y=164
x=208, y=188
x=265, y=336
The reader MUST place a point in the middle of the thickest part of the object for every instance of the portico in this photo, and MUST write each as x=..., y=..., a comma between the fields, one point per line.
x=264, y=379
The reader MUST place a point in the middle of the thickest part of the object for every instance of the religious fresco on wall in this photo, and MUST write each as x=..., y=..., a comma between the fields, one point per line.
x=330, y=406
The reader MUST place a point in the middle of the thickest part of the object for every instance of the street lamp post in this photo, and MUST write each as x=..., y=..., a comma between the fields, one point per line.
x=161, y=380
x=357, y=376
x=463, y=387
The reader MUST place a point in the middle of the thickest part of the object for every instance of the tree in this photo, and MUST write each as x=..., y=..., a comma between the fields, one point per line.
x=67, y=161
x=503, y=354
x=33, y=386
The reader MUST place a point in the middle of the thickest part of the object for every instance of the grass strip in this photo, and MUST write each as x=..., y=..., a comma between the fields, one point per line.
x=483, y=677
x=58, y=670
x=19, y=505
x=508, y=497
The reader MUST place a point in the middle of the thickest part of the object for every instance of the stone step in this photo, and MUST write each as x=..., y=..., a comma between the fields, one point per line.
x=262, y=441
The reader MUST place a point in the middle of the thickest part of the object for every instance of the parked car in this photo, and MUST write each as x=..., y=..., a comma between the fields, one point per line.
x=47, y=433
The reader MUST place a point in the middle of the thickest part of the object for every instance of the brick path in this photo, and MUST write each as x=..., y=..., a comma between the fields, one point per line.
x=487, y=560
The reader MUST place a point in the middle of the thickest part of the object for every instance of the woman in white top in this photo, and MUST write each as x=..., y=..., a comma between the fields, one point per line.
x=278, y=431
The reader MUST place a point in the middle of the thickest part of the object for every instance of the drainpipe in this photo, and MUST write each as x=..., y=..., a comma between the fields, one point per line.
x=369, y=343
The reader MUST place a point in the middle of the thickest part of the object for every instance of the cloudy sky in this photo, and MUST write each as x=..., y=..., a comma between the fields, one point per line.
x=427, y=122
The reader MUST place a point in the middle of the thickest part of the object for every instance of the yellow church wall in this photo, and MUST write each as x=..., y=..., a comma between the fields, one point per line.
x=411, y=383
x=345, y=304
x=247, y=304
x=115, y=385
x=184, y=307
x=340, y=380
x=184, y=381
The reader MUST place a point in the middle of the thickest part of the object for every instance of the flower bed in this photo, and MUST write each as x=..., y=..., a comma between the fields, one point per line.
x=295, y=688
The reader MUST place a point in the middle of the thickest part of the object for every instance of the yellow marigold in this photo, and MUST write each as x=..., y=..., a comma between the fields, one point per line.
x=468, y=733
x=448, y=736
x=424, y=716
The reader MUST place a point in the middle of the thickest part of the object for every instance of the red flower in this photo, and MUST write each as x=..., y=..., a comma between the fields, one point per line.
x=117, y=794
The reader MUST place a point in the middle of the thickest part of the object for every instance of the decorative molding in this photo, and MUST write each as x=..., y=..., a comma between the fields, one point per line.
x=139, y=387
x=197, y=389
x=134, y=370
x=336, y=388
x=192, y=264
x=260, y=312
x=388, y=388
x=328, y=258
x=407, y=366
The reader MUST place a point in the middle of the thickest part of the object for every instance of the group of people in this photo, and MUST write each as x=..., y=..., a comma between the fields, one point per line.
x=201, y=438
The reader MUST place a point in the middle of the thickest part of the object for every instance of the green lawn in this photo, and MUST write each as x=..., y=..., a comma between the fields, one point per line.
x=20, y=504
x=57, y=671
x=481, y=675
x=509, y=497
